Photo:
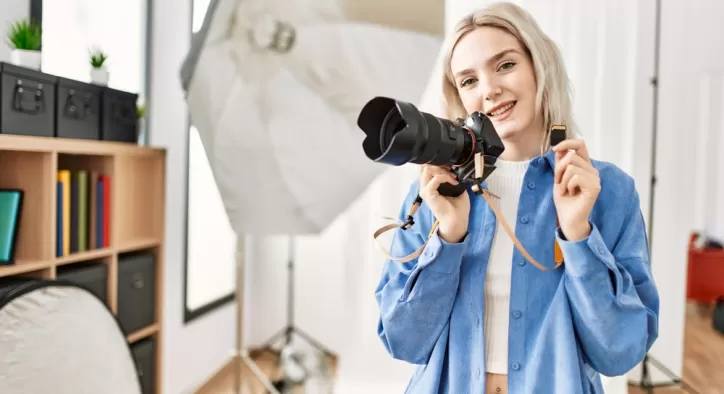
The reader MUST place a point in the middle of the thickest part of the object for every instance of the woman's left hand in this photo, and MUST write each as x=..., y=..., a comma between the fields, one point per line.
x=576, y=188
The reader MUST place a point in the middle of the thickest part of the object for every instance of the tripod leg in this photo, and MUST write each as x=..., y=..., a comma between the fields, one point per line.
x=274, y=338
x=312, y=341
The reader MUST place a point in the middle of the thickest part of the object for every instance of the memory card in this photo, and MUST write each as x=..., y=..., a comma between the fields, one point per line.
x=557, y=135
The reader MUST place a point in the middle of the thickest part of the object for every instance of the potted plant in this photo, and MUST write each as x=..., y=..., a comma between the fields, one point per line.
x=25, y=38
x=99, y=72
x=142, y=122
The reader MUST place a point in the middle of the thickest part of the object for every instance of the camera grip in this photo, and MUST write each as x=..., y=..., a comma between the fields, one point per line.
x=450, y=190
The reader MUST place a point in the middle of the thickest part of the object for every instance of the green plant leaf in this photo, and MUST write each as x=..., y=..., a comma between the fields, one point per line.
x=97, y=58
x=25, y=34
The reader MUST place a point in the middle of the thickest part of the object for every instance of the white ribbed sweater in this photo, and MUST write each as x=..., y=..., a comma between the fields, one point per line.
x=506, y=182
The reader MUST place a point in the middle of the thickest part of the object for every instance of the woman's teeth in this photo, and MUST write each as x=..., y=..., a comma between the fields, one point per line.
x=502, y=110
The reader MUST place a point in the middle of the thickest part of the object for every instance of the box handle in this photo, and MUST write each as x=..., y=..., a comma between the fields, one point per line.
x=138, y=281
x=36, y=96
x=76, y=108
x=123, y=114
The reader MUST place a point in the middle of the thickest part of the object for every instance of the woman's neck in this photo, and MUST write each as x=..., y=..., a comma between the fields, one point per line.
x=525, y=147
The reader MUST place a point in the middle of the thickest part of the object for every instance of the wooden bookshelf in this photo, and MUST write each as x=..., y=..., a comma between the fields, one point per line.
x=137, y=213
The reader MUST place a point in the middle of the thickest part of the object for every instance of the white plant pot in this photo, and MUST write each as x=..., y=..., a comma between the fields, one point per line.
x=99, y=76
x=26, y=58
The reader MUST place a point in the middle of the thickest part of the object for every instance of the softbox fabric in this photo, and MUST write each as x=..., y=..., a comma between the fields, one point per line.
x=56, y=338
x=274, y=89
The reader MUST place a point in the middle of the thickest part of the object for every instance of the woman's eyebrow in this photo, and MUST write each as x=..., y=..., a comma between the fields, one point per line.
x=493, y=59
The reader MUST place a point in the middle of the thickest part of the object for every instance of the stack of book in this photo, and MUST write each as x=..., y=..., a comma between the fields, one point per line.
x=83, y=211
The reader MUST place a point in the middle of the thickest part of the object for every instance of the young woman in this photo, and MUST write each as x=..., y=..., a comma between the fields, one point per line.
x=471, y=310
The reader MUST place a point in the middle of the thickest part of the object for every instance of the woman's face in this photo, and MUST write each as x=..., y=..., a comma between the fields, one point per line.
x=493, y=75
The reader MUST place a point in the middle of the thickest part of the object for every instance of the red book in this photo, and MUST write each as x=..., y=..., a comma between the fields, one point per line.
x=106, y=211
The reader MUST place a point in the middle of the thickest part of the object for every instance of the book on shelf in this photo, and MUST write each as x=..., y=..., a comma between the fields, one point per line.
x=83, y=211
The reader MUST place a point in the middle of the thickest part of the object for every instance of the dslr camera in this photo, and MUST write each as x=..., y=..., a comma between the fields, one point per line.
x=398, y=133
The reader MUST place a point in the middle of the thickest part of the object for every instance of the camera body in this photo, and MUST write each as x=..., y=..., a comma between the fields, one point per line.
x=398, y=133
x=487, y=143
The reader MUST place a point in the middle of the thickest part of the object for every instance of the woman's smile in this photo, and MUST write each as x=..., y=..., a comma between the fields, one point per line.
x=502, y=112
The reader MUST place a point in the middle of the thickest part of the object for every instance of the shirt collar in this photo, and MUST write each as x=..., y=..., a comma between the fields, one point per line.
x=549, y=158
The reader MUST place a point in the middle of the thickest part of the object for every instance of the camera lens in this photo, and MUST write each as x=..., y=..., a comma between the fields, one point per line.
x=391, y=125
x=398, y=133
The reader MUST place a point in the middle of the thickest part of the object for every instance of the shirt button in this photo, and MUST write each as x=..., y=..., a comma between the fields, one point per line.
x=517, y=314
x=478, y=372
x=516, y=366
x=428, y=253
x=531, y=185
x=524, y=219
x=521, y=262
x=601, y=250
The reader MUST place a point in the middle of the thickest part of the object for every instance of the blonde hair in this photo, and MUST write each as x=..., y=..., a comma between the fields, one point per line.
x=553, y=96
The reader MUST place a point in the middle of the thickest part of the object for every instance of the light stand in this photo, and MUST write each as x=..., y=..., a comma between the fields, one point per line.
x=646, y=382
x=290, y=329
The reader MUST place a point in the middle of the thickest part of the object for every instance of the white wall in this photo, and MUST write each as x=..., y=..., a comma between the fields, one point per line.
x=10, y=11
x=72, y=27
x=192, y=352
x=690, y=170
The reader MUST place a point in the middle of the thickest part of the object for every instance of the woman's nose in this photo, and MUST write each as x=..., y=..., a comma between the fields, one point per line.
x=490, y=89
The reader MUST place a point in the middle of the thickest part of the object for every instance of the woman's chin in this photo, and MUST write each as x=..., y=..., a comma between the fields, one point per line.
x=506, y=132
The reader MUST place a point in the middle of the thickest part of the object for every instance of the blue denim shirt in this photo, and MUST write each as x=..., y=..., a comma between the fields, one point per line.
x=595, y=314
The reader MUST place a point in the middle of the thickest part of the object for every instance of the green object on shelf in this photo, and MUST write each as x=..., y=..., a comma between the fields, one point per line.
x=83, y=211
x=25, y=34
x=10, y=207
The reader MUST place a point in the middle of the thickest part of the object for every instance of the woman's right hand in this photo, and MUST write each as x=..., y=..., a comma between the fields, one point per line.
x=451, y=212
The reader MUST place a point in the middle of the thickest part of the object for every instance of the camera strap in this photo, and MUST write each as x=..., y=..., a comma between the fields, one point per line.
x=558, y=254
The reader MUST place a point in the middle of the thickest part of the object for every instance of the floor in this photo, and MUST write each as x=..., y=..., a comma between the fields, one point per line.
x=703, y=362
x=265, y=362
x=703, y=356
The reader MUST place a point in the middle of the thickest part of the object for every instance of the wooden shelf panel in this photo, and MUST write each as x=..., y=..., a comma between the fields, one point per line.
x=138, y=244
x=23, y=267
x=84, y=256
x=143, y=333
x=74, y=146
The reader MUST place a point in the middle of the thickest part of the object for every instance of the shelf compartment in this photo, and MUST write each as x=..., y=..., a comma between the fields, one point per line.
x=93, y=163
x=92, y=275
x=86, y=224
x=31, y=172
x=137, y=280
x=138, y=200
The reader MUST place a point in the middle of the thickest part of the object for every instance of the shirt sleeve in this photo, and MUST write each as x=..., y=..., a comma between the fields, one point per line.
x=613, y=297
x=415, y=298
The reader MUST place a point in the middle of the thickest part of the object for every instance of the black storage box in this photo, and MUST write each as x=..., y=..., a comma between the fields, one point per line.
x=78, y=110
x=92, y=276
x=144, y=353
x=136, y=291
x=27, y=101
x=119, y=117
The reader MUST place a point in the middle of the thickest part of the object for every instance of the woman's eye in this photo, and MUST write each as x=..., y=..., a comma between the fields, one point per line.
x=466, y=82
x=506, y=65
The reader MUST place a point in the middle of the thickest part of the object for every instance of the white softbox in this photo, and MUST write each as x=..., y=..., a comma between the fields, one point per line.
x=274, y=89
x=59, y=338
